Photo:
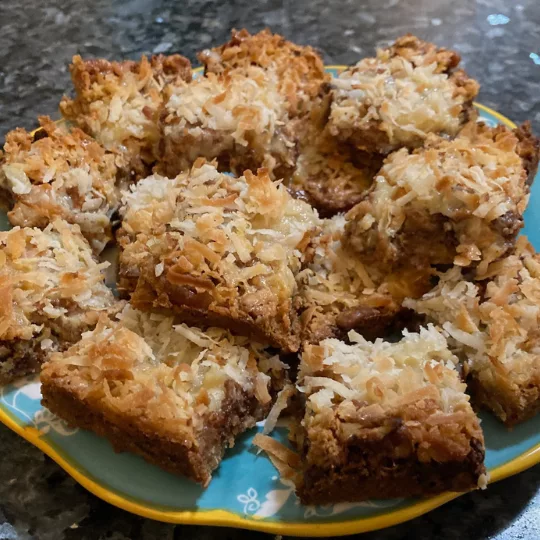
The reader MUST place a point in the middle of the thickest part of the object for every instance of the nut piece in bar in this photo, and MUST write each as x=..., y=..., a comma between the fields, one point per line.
x=453, y=202
x=216, y=250
x=119, y=103
x=59, y=173
x=239, y=118
x=409, y=90
x=337, y=292
x=51, y=290
x=177, y=396
x=385, y=420
x=495, y=324
x=299, y=70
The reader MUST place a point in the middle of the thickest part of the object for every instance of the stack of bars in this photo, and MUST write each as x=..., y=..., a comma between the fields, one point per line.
x=278, y=230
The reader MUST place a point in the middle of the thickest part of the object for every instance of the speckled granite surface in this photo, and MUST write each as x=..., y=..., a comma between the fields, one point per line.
x=499, y=40
x=500, y=45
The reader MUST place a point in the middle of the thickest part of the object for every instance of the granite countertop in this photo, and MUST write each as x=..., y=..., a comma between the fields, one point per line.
x=500, y=45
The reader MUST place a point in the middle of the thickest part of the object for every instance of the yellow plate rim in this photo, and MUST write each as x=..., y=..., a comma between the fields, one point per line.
x=228, y=519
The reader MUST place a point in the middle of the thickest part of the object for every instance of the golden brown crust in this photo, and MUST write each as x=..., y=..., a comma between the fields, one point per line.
x=420, y=53
x=208, y=245
x=385, y=420
x=410, y=90
x=191, y=456
x=300, y=70
x=87, y=73
x=119, y=103
x=60, y=173
x=444, y=204
x=494, y=322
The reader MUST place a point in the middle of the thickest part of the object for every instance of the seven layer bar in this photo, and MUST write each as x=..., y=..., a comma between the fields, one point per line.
x=51, y=290
x=385, y=420
x=216, y=249
x=494, y=323
x=177, y=396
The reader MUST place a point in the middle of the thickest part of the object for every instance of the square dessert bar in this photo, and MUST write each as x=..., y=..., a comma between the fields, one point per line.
x=216, y=250
x=299, y=69
x=494, y=322
x=239, y=118
x=59, y=173
x=118, y=103
x=452, y=202
x=175, y=395
x=51, y=290
x=409, y=90
x=385, y=420
x=338, y=292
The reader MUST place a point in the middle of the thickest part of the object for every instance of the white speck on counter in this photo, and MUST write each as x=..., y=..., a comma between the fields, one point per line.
x=367, y=18
x=495, y=32
x=162, y=47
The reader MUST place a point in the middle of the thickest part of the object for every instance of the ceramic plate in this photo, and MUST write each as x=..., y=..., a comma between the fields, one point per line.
x=246, y=490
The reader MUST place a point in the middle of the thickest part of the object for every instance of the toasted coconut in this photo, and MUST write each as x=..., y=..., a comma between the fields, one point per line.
x=281, y=403
x=407, y=92
x=218, y=246
x=494, y=323
x=383, y=373
x=149, y=353
x=457, y=201
x=284, y=460
x=62, y=174
x=118, y=103
x=300, y=70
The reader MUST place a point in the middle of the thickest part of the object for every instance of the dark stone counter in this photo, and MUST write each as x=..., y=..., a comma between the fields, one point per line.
x=499, y=42
x=500, y=45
